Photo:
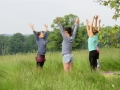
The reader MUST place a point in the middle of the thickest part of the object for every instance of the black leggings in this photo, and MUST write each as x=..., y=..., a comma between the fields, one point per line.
x=39, y=64
x=93, y=55
x=97, y=55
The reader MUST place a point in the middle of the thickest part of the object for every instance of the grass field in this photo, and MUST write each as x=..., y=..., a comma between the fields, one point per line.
x=18, y=72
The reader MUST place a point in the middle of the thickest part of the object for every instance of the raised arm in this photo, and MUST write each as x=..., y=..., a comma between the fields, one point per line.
x=32, y=27
x=75, y=29
x=46, y=29
x=96, y=20
x=61, y=28
x=95, y=24
x=91, y=26
x=99, y=25
x=87, y=27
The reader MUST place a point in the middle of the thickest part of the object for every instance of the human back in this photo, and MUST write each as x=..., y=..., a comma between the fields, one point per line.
x=41, y=46
x=92, y=42
x=67, y=45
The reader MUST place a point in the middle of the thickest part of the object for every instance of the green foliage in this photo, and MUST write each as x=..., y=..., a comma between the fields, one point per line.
x=3, y=43
x=66, y=21
x=16, y=43
x=109, y=37
x=30, y=44
x=54, y=40
x=114, y=4
x=81, y=37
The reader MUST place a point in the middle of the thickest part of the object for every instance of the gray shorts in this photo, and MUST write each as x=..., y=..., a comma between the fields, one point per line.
x=67, y=58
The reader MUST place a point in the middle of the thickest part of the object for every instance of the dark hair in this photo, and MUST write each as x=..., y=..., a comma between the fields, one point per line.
x=69, y=30
x=38, y=33
x=94, y=30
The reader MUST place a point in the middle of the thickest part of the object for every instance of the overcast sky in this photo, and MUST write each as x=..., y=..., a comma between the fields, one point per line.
x=15, y=15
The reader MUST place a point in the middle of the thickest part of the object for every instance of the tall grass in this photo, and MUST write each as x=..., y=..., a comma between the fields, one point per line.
x=18, y=72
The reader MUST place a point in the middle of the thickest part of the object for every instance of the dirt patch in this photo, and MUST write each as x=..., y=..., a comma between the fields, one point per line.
x=111, y=74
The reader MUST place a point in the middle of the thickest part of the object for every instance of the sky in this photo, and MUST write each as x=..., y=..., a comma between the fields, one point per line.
x=15, y=15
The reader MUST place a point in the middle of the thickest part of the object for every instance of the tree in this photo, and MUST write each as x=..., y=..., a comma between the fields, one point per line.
x=16, y=43
x=114, y=4
x=109, y=36
x=54, y=40
x=30, y=44
x=3, y=41
x=81, y=37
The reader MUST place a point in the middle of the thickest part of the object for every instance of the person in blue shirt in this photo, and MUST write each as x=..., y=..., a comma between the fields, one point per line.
x=93, y=41
x=41, y=43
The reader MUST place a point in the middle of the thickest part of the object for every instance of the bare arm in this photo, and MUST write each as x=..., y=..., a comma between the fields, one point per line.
x=32, y=27
x=46, y=27
x=87, y=27
x=99, y=25
x=95, y=24
x=91, y=26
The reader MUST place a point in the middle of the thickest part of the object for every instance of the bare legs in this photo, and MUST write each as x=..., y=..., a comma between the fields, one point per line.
x=67, y=66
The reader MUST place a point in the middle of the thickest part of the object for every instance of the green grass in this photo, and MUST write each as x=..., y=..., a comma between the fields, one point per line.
x=18, y=72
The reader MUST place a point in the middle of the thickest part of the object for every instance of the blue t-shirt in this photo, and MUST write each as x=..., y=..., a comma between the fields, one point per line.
x=92, y=42
x=41, y=43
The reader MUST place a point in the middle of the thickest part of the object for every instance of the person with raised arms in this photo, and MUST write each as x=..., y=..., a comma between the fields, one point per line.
x=92, y=42
x=68, y=38
x=41, y=43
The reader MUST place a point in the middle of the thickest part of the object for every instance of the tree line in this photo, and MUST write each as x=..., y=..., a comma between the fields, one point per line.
x=17, y=43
